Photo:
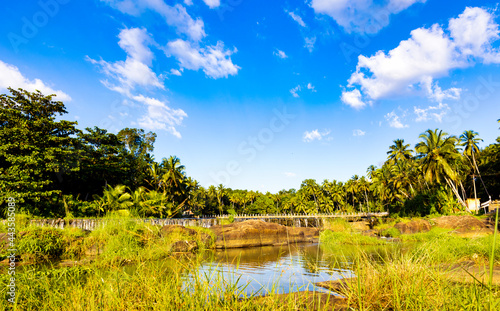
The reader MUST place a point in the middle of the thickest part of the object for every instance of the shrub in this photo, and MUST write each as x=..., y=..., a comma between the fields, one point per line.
x=41, y=244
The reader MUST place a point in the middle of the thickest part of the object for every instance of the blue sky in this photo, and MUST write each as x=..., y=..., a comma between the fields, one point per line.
x=262, y=94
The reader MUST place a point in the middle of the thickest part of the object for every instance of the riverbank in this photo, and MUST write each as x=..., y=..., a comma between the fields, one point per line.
x=101, y=279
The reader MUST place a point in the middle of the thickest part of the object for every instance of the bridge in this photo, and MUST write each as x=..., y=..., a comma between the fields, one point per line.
x=292, y=220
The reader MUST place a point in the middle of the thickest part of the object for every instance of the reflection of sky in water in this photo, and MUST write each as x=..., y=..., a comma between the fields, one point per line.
x=271, y=269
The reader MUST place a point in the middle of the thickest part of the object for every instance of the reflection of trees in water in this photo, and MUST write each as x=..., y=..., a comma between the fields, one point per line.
x=261, y=256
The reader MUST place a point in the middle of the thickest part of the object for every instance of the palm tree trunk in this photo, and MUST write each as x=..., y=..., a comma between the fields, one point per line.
x=455, y=191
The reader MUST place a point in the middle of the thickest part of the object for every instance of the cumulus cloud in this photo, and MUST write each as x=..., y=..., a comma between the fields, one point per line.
x=297, y=18
x=315, y=135
x=175, y=16
x=435, y=113
x=311, y=87
x=309, y=43
x=353, y=99
x=363, y=16
x=290, y=174
x=135, y=70
x=280, y=54
x=212, y=3
x=395, y=120
x=215, y=61
x=358, y=133
x=126, y=76
x=429, y=54
x=176, y=72
x=160, y=116
x=11, y=76
x=295, y=91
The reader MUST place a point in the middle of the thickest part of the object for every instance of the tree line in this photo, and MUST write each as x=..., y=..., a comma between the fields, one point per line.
x=53, y=169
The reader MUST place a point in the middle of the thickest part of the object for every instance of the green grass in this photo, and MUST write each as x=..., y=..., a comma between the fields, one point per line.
x=331, y=238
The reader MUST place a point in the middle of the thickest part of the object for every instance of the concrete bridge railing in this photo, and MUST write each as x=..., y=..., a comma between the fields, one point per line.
x=292, y=220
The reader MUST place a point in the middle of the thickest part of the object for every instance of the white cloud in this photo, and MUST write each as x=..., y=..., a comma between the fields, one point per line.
x=280, y=54
x=188, y=2
x=290, y=174
x=212, y=3
x=428, y=54
x=159, y=116
x=295, y=91
x=135, y=70
x=126, y=76
x=10, y=76
x=309, y=43
x=297, y=18
x=396, y=120
x=311, y=87
x=473, y=32
x=315, y=135
x=364, y=16
x=432, y=112
x=214, y=60
x=435, y=92
x=353, y=99
x=175, y=16
x=176, y=72
x=358, y=133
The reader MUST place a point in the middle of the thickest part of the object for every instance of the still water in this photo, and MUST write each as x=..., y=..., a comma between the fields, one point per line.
x=272, y=269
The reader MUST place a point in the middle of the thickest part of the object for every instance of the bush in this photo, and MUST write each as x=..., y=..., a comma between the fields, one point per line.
x=391, y=232
x=41, y=244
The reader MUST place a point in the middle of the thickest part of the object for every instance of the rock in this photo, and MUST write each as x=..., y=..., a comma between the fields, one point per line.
x=184, y=246
x=259, y=233
x=414, y=226
x=461, y=224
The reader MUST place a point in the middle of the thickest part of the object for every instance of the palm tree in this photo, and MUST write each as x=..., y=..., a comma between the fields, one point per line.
x=116, y=198
x=469, y=140
x=438, y=154
x=370, y=170
x=220, y=193
x=399, y=151
x=174, y=171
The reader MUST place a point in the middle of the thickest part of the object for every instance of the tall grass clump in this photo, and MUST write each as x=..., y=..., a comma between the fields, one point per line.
x=408, y=282
x=331, y=238
x=166, y=285
x=337, y=225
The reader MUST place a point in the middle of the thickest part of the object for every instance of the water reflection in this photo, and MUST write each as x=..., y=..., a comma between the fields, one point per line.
x=276, y=269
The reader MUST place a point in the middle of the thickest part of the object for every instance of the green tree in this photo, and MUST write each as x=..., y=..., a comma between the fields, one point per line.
x=34, y=148
x=438, y=153
x=399, y=151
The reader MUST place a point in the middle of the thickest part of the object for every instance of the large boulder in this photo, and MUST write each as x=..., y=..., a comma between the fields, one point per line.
x=414, y=226
x=461, y=224
x=259, y=233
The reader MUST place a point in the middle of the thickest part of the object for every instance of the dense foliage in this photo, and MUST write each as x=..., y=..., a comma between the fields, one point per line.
x=54, y=169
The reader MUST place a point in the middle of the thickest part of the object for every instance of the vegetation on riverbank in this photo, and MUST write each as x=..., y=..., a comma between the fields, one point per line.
x=132, y=267
x=67, y=172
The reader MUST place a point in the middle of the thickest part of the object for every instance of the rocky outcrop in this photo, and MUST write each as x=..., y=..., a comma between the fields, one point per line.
x=461, y=224
x=259, y=233
x=414, y=226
